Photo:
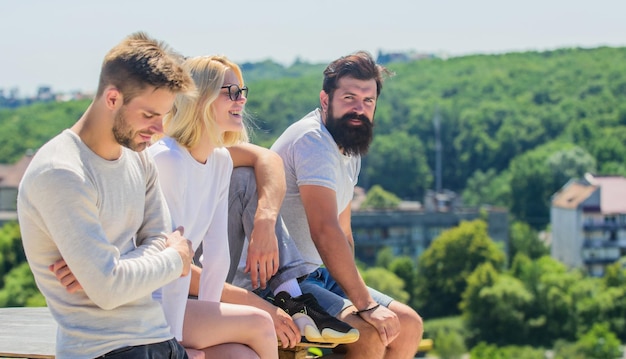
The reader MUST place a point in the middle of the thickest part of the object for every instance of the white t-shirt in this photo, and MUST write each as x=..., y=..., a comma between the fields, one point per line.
x=311, y=157
x=197, y=197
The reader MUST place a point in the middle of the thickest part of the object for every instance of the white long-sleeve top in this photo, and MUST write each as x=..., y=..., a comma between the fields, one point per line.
x=197, y=196
x=107, y=219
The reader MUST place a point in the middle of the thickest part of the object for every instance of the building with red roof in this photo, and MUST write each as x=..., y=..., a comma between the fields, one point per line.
x=10, y=177
x=588, y=221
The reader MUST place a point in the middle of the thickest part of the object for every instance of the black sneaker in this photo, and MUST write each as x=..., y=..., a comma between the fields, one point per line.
x=315, y=324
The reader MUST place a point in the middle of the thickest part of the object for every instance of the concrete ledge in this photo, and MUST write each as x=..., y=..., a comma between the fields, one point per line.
x=27, y=333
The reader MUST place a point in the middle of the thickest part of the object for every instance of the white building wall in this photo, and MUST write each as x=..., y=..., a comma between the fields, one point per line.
x=567, y=236
x=8, y=199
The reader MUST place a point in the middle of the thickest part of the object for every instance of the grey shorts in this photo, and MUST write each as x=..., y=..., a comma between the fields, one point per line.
x=330, y=296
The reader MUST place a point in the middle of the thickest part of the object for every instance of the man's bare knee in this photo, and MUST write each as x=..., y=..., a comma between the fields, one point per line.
x=411, y=330
x=369, y=344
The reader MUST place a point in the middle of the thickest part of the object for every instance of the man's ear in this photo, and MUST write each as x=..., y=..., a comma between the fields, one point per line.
x=324, y=101
x=113, y=97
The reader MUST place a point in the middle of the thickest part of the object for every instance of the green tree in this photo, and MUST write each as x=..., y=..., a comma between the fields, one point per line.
x=595, y=303
x=384, y=257
x=398, y=163
x=487, y=188
x=570, y=163
x=600, y=343
x=29, y=127
x=495, y=307
x=449, y=344
x=615, y=274
x=491, y=351
x=549, y=316
x=485, y=351
x=385, y=281
x=524, y=239
x=17, y=284
x=567, y=350
x=444, y=267
x=448, y=335
x=538, y=174
x=20, y=289
x=11, y=249
x=405, y=268
x=614, y=168
x=378, y=198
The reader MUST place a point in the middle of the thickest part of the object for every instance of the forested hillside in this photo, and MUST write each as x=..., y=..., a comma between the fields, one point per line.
x=513, y=127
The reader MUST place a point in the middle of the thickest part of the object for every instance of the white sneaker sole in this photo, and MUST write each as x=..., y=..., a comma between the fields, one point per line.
x=311, y=332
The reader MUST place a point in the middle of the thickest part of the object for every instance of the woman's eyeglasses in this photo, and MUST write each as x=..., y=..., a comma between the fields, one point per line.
x=234, y=91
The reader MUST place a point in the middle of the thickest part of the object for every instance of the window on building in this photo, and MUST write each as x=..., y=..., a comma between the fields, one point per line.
x=398, y=232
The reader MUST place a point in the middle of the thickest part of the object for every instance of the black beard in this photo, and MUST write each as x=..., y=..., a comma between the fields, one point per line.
x=353, y=140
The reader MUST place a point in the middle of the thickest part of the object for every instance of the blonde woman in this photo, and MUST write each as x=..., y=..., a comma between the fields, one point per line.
x=194, y=169
x=205, y=138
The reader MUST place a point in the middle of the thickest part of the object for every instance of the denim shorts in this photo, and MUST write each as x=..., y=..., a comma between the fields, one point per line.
x=330, y=296
x=169, y=349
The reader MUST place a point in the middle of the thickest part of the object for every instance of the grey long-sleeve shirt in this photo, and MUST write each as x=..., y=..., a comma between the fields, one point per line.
x=107, y=219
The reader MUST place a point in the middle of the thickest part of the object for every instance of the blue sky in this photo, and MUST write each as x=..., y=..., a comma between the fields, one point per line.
x=61, y=43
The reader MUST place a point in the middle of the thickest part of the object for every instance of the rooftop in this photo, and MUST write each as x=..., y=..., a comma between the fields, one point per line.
x=612, y=193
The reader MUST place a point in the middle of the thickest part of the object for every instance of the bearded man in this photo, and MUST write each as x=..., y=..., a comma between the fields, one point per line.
x=322, y=158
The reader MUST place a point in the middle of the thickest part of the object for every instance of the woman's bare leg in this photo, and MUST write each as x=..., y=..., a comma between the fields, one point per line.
x=230, y=351
x=195, y=354
x=223, y=351
x=208, y=324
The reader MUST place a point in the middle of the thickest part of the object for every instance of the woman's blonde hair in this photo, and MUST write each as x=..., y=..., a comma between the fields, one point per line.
x=184, y=123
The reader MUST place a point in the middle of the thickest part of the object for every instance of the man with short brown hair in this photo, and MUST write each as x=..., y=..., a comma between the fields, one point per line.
x=90, y=203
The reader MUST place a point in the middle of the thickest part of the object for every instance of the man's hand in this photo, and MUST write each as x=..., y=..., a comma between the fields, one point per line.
x=385, y=321
x=183, y=246
x=262, y=258
x=65, y=276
